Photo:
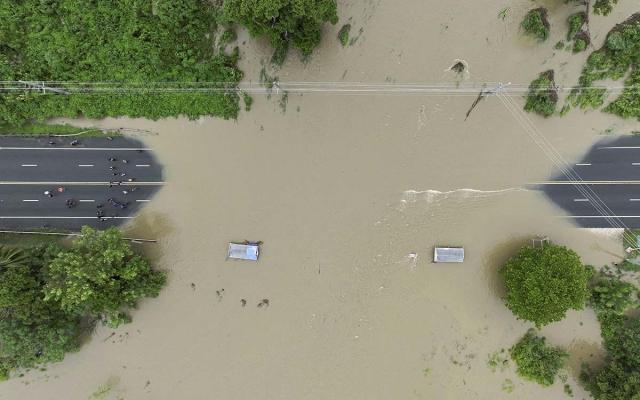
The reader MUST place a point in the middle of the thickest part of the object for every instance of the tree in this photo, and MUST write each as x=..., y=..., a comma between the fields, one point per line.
x=612, y=295
x=12, y=257
x=284, y=21
x=614, y=382
x=100, y=276
x=603, y=7
x=536, y=361
x=542, y=284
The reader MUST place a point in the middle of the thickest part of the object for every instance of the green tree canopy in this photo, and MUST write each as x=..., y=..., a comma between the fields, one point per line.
x=100, y=275
x=542, y=284
x=284, y=21
x=536, y=361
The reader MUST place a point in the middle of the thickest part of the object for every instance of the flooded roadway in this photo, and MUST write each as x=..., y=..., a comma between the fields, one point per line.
x=341, y=189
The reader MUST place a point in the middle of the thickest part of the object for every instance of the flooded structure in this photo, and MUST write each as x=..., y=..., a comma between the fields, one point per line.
x=448, y=254
x=244, y=251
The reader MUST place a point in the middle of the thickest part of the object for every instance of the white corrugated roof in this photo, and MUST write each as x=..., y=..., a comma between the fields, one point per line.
x=448, y=254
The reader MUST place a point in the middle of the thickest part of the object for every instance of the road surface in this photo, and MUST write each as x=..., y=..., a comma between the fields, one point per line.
x=29, y=167
x=611, y=173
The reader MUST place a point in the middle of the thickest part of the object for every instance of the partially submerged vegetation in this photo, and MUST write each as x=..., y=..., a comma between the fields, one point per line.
x=535, y=24
x=543, y=95
x=75, y=41
x=576, y=21
x=343, y=34
x=536, y=361
x=286, y=23
x=614, y=60
x=50, y=297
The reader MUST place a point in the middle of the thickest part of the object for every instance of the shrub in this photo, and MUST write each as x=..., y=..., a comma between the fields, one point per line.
x=536, y=361
x=543, y=95
x=535, y=24
x=575, y=23
x=579, y=46
x=343, y=34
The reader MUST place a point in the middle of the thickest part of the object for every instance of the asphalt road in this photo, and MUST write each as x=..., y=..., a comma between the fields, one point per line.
x=29, y=167
x=611, y=172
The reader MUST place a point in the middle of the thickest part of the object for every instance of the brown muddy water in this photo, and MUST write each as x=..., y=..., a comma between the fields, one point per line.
x=341, y=189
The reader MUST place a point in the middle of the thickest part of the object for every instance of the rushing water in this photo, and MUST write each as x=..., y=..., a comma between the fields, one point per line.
x=341, y=189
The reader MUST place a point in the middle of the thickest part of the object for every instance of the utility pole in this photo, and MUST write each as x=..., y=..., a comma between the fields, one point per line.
x=44, y=89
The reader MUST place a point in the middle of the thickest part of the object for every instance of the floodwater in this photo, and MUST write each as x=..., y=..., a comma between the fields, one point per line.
x=342, y=188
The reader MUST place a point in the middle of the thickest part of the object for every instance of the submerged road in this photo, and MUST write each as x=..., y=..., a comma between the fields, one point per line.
x=86, y=172
x=611, y=171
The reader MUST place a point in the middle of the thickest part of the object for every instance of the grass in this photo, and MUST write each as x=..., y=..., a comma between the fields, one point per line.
x=508, y=386
x=543, y=95
x=343, y=34
x=503, y=13
x=498, y=360
x=535, y=24
x=25, y=239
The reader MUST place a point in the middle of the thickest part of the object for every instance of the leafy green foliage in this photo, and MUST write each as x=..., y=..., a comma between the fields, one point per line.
x=603, y=7
x=542, y=284
x=575, y=23
x=536, y=361
x=45, y=300
x=579, y=46
x=498, y=360
x=100, y=275
x=543, y=95
x=228, y=36
x=619, y=54
x=559, y=45
x=343, y=34
x=610, y=295
x=12, y=257
x=296, y=22
x=78, y=41
x=535, y=24
x=280, y=53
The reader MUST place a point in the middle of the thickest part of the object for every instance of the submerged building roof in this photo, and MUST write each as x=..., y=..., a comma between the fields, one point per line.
x=448, y=254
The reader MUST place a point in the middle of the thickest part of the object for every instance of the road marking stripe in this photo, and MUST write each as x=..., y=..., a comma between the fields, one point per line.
x=583, y=164
x=580, y=199
x=85, y=165
x=76, y=148
x=634, y=199
x=86, y=200
x=621, y=147
x=140, y=201
x=29, y=165
x=94, y=217
x=581, y=183
x=635, y=163
x=142, y=165
x=30, y=200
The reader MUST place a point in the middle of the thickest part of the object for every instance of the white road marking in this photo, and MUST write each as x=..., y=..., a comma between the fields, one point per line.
x=29, y=165
x=621, y=147
x=142, y=165
x=140, y=201
x=580, y=199
x=634, y=199
x=30, y=200
x=635, y=163
x=85, y=165
x=86, y=200
x=94, y=217
x=583, y=164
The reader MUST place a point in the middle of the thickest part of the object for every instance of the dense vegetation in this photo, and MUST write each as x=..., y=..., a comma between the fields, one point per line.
x=620, y=377
x=543, y=95
x=113, y=41
x=619, y=55
x=542, y=284
x=535, y=24
x=536, y=361
x=49, y=295
x=284, y=22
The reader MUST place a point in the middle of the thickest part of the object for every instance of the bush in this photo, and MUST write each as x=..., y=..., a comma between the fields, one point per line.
x=543, y=95
x=343, y=34
x=535, y=24
x=575, y=23
x=579, y=46
x=536, y=361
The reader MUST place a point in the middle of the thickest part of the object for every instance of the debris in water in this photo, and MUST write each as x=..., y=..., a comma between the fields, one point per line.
x=243, y=302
